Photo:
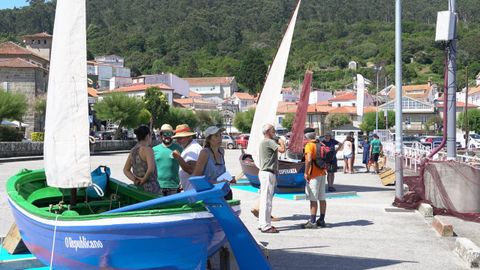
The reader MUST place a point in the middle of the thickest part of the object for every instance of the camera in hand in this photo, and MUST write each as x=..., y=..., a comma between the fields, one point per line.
x=276, y=139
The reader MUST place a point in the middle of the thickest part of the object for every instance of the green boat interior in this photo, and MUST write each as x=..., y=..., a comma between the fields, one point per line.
x=34, y=195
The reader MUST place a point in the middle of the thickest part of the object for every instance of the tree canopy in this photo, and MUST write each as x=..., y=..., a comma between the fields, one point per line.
x=119, y=108
x=12, y=106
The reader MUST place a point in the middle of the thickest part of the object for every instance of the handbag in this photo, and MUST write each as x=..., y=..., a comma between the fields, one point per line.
x=99, y=182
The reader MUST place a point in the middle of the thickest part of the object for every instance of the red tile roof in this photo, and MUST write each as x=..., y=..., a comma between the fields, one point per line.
x=188, y=101
x=345, y=97
x=319, y=108
x=10, y=48
x=39, y=35
x=141, y=87
x=352, y=110
x=417, y=91
x=286, y=107
x=474, y=90
x=209, y=81
x=323, y=103
x=16, y=63
x=243, y=96
x=193, y=94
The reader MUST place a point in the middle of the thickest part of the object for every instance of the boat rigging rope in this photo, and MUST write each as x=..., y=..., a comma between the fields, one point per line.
x=114, y=197
x=53, y=242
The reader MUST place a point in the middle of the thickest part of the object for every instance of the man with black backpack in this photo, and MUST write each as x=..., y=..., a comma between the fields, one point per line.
x=316, y=155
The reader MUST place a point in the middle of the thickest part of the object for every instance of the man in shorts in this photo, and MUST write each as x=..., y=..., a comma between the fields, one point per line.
x=375, y=149
x=315, y=183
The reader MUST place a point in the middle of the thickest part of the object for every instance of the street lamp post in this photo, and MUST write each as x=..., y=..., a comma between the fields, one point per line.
x=377, y=70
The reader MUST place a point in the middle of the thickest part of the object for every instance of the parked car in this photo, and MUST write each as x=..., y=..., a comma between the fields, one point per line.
x=281, y=132
x=436, y=142
x=228, y=142
x=104, y=135
x=474, y=141
x=242, y=141
x=409, y=141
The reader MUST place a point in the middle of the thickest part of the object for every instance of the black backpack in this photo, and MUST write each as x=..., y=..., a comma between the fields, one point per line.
x=323, y=156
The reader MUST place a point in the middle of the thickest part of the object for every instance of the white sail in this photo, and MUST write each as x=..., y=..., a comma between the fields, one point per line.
x=266, y=109
x=360, y=94
x=66, y=146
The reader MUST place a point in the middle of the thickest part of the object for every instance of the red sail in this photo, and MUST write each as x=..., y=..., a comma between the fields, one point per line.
x=296, y=139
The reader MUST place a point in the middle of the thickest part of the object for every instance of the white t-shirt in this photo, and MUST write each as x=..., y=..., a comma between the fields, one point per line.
x=347, y=148
x=190, y=153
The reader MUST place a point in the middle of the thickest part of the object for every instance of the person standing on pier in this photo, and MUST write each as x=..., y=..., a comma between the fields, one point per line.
x=166, y=155
x=268, y=157
x=315, y=182
x=332, y=167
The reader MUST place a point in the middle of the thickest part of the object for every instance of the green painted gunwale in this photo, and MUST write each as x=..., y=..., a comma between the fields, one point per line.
x=34, y=178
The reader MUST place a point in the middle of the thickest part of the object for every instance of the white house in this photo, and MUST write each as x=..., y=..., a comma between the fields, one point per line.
x=473, y=95
x=243, y=100
x=350, y=99
x=222, y=87
x=180, y=86
x=317, y=96
x=106, y=67
x=138, y=90
x=289, y=94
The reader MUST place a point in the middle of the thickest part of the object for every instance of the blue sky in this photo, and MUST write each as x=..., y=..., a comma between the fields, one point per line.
x=12, y=3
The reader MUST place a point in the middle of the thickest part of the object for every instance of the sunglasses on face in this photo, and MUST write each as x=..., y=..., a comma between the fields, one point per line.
x=167, y=134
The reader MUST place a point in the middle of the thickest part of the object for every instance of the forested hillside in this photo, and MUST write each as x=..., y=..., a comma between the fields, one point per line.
x=232, y=37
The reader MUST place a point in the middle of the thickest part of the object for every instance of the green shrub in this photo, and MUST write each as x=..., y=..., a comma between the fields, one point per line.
x=10, y=134
x=37, y=136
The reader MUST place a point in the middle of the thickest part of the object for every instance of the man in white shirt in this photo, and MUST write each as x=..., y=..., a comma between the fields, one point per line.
x=189, y=155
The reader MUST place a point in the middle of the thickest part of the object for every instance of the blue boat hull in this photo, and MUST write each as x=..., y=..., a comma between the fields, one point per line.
x=290, y=174
x=177, y=241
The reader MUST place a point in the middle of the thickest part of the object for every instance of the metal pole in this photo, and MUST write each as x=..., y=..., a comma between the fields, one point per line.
x=452, y=91
x=377, y=69
x=465, y=116
x=398, y=102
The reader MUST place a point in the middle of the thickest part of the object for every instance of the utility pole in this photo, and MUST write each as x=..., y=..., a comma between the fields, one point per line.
x=377, y=70
x=465, y=116
x=452, y=89
x=398, y=102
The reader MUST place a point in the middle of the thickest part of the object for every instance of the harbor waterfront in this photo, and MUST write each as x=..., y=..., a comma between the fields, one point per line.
x=361, y=232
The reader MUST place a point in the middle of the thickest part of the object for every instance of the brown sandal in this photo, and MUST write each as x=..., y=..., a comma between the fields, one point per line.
x=270, y=230
x=255, y=213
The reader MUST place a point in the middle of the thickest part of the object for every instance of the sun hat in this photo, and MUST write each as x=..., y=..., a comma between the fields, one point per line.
x=183, y=130
x=212, y=130
x=166, y=127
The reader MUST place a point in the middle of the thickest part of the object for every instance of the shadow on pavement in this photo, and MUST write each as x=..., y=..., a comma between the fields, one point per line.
x=304, y=218
x=345, y=188
x=360, y=222
x=285, y=259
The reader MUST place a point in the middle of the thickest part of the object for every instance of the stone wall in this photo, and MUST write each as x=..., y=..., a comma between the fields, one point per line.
x=21, y=149
x=32, y=82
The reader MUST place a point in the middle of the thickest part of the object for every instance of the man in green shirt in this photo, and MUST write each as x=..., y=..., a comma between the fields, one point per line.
x=166, y=155
x=375, y=149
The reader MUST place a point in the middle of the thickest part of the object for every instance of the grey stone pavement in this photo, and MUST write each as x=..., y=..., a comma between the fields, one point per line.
x=360, y=234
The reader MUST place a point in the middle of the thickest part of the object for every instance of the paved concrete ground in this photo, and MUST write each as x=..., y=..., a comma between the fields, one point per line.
x=359, y=233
